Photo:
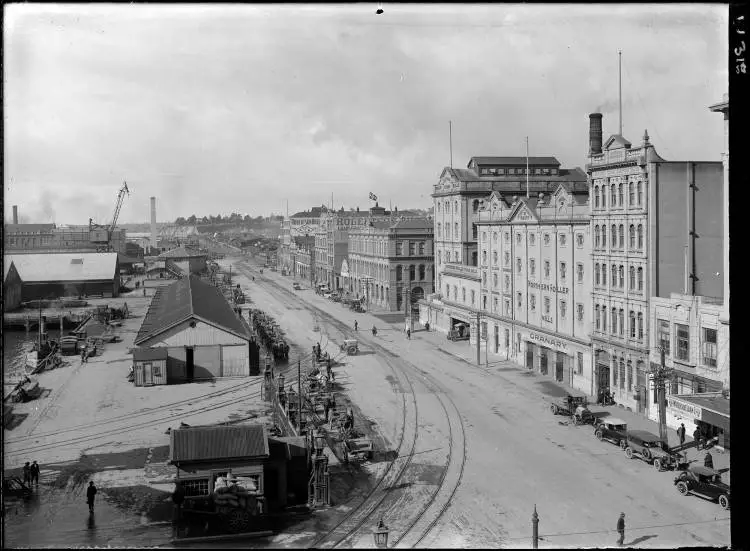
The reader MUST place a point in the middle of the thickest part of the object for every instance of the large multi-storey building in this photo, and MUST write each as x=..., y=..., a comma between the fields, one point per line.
x=390, y=262
x=535, y=282
x=457, y=197
x=39, y=238
x=656, y=229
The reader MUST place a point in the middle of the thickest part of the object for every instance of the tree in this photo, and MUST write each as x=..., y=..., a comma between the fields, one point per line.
x=180, y=221
x=192, y=219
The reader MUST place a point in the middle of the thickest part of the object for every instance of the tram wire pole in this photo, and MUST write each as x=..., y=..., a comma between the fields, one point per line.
x=299, y=388
x=479, y=341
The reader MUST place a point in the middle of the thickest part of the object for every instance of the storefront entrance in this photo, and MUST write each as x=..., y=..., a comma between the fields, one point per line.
x=560, y=367
x=529, y=355
x=543, y=360
x=602, y=377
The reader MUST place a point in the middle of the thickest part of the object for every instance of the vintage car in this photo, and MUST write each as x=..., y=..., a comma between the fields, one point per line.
x=351, y=346
x=296, y=286
x=650, y=448
x=567, y=405
x=613, y=430
x=704, y=482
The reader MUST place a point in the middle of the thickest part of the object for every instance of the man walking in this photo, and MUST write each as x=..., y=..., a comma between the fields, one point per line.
x=621, y=528
x=90, y=493
x=356, y=325
x=708, y=462
x=681, y=433
x=34, y=472
x=26, y=473
x=408, y=334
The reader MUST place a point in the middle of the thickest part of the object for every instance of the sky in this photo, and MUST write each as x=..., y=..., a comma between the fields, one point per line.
x=254, y=109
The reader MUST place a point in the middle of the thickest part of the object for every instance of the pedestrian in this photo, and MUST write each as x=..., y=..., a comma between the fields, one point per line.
x=356, y=325
x=144, y=289
x=90, y=493
x=708, y=462
x=408, y=334
x=681, y=433
x=26, y=473
x=621, y=528
x=34, y=472
x=697, y=437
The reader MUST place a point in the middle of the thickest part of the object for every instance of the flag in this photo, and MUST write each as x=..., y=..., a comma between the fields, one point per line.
x=373, y=196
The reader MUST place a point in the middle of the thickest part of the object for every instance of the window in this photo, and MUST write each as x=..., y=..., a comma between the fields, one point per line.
x=579, y=272
x=614, y=276
x=640, y=193
x=532, y=302
x=506, y=236
x=579, y=363
x=494, y=305
x=640, y=237
x=399, y=273
x=475, y=204
x=518, y=265
x=579, y=239
x=622, y=373
x=507, y=307
x=632, y=236
x=412, y=272
x=439, y=234
x=640, y=279
x=622, y=322
x=546, y=269
x=563, y=270
x=613, y=200
x=632, y=278
x=412, y=248
x=622, y=236
x=604, y=275
x=546, y=239
x=596, y=197
x=474, y=231
x=484, y=237
x=484, y=279
x=614, y=371
x=507, y=258
x=662, y=335
x=630, y=376
x=532, y=266
x=399, y=250
x=507, y=282
x=520, y=299
x=494, y=258
x=463, y=294
x=518, y=238
x=546, y=305
x=614, y=320
x=484, y=301
x=494, y=237
x=604, y=236
x=598, y=317
x=438, y=207
x=532, y=239
x=494, y=280
x=455, y=293
x=421, y=272
x=709, y=347
x=604, y=319
x=484, y=258
x=597, y=242
x=563, y=239
x=682, y=342
x=455, y=230
x=622, y=276
x=579, y=311
x=632, y=324
x=640, y=326
x=620, y=195
x=563, y=309
x=421, y=248
x=195, y=487
x=455, y=209
x=631, y=198
x=447, y=291
x=597, y=274
x=613, y=236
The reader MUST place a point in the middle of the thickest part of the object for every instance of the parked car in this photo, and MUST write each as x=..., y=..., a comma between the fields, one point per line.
x=613, y=430
x=650, y=448
x=567, y=405
x=704, y=482
x=296, y=286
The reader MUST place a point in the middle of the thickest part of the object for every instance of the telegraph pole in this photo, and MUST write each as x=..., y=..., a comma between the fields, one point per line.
x=299, y=388
x=479, y=341
x=661, y=374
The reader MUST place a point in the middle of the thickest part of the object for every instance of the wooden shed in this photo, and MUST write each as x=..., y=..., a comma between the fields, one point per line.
x=150, y=366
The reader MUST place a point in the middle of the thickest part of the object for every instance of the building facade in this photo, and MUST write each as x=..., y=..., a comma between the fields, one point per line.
x=646, y=216
x=39, y=238
x=390, y=262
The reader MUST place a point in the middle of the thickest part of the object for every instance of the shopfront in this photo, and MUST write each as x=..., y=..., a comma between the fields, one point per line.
x=709, y=412
x=558, y=358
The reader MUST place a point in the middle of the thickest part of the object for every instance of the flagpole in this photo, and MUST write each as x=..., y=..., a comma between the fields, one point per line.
x=527, y=167
x=619, y=53
x=450, y=139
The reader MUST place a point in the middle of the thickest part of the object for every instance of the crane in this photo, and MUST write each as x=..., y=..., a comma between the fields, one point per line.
x=99, y=237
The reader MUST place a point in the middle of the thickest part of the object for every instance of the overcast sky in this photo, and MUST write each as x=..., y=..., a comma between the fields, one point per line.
x=214, y=109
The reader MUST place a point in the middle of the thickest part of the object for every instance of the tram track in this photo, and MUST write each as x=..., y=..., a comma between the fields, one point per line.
x=441, y=497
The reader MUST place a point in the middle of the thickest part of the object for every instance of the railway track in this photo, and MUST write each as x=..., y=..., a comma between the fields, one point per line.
x=375, y=505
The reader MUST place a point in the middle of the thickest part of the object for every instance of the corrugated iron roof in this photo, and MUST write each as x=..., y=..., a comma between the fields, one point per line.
x=222, y=442
x=45, y=267
x=186, y=298
x=147, y=354
x=533, y=161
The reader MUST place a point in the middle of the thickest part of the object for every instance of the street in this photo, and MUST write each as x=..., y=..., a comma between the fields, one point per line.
x=478, y=450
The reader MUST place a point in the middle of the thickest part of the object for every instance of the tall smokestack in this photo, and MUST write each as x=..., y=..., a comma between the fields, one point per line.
x=153, y=223
x=595, y=133
x=15, y=214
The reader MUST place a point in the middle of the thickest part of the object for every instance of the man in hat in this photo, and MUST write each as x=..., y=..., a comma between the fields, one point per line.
x=34, y=472
x=708, y=462
x=26, y=473
x=90, y=493
x=621, y=529
x=681, y=433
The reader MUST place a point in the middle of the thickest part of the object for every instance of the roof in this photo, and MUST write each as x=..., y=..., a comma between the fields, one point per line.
x=713, y=402
x=181, y=252
x=613, y=421
x=188, y=298
x=146, y=354
x=28, y=228
x=290, y=446
x=44, y=267
x=564, y=174
x=616, y=141
x=644, y=434
x=414, y=224
x=312, y=213
x=219, y=442
x=703, y=471
x=533, y=161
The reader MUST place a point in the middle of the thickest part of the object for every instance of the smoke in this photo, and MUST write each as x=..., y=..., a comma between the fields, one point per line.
x=609, y=106
x=48, y=210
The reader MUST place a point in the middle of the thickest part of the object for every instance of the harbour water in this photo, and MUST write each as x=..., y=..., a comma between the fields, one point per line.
x=14, y=357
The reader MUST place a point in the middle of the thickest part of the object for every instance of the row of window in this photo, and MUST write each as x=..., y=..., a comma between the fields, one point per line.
x=563, y=274
x=600, y=237
x=709, y=350
x=561, y=238
x=617, y=317
x=517, y=171
x=621, y=377
x=617, y=195
x=618, y=277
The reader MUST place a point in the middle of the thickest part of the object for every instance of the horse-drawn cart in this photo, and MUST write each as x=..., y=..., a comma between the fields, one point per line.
x=351, y=346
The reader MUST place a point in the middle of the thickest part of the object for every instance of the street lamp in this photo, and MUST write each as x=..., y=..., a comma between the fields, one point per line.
x=381, y=535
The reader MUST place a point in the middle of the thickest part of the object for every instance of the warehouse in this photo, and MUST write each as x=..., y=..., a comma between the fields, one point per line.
x=190, y=262
x=12, y=287
x=54, y=275
x=203, y=337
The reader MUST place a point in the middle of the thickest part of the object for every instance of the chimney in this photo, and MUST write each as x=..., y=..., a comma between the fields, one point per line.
x=595, y=133
x=15, y=214
x=153, y=223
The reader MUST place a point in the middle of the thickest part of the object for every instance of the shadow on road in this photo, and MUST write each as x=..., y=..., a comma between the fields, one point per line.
x=641, y=539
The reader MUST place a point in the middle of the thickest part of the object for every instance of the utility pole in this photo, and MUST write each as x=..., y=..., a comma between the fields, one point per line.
x=479, y=341
x=660, y=375
x=299, y=389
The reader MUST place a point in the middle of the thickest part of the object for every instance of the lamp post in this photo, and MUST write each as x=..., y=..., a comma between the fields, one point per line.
x=381, y=535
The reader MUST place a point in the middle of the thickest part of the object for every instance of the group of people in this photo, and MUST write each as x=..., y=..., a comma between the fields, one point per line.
x=31, y=474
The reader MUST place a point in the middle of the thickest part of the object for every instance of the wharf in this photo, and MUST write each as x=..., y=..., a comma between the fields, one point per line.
x=30, y=318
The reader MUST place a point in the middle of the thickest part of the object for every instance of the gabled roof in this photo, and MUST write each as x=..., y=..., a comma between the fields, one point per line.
x=312, y=213
x=514, y=161
x=189, y=298
x=527, y=204
x=181, y=252
x=616, y=141
x=44, y=267
x=220, y=442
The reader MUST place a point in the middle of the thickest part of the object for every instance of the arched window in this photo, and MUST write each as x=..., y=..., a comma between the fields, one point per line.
x=597, y=240
x=622, y=276
x=640, y=326
x=604, y=196
x=455, y=231
x=475, y=205
x=622, y=236
x=439, y=228
x=604, y=236
x=597, y=315
x=412, y=272
x=463, y=294
x=399, y=273
x=604, y=319
x=455, y=207
x=620, y=200
x=597, y=273
x=632, y=278
x=494, y=280
x=632, y=236
x=604, y=275
x=632, y=324
x=631, y=197
x=613, y=197
x=484, y=257
x=613, y=236
x=455, y=293
x=614, y=320
x=614, y=276
x=630, y=375
x=494, y=257
x=622, y=321
x=421, y=272
x=640, y=194
x=438, y=207
x=596, y=197
x=640, y=237
x=640, y=279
